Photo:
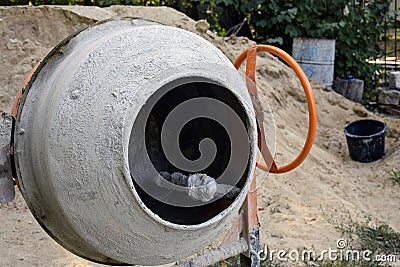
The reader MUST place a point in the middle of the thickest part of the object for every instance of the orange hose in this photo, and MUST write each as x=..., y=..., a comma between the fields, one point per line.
x=312, y=110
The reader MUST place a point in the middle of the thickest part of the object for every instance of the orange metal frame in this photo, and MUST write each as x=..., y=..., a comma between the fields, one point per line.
x=251, y=55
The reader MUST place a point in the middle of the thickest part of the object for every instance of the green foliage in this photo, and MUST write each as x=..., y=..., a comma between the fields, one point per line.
x=275, y=210
x=212, y=11
x=50, y=2
x=357, y=28
x=105, y=3
x=395, y=177
x=366, y=235
x=287, y=19
x=17, y=2
x=358, y=41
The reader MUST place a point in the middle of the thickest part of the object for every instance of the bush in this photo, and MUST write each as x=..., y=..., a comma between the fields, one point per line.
x=357, y=28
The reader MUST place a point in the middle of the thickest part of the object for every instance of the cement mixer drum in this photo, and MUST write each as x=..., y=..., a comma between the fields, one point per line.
x=90, y=135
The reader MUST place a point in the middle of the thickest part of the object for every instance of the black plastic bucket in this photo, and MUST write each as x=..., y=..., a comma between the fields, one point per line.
x=366, y=140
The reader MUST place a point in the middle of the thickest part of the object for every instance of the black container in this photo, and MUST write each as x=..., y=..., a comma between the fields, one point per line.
x=366, y=140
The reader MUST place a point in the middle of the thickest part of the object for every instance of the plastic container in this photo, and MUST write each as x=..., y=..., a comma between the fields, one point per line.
x=316, y=57
x=366, y=140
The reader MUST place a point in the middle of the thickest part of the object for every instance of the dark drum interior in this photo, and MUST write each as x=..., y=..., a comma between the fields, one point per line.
x=190, y=136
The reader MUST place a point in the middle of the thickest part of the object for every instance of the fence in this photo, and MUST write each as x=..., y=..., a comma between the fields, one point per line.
x=389, y=60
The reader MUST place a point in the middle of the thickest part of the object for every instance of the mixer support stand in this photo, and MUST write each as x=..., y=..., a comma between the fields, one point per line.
x=251, y=229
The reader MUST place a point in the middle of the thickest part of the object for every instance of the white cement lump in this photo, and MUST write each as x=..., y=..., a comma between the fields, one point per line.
x=200, y=186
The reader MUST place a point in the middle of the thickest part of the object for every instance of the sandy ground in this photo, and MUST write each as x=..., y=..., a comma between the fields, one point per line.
x=294, y=208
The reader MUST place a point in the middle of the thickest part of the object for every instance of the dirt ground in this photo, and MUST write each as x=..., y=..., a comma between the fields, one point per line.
x=295, y=208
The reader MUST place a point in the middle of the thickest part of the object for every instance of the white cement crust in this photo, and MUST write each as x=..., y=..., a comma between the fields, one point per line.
x=72, y=137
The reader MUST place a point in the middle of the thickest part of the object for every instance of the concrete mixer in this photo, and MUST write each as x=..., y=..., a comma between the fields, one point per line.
x=131, y=135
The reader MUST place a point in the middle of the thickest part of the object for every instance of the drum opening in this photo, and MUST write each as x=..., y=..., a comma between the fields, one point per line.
x=153, y=115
